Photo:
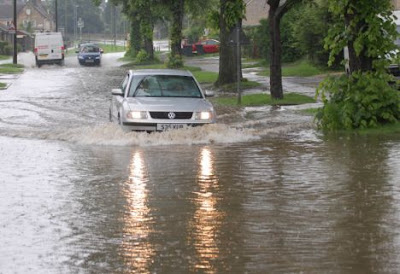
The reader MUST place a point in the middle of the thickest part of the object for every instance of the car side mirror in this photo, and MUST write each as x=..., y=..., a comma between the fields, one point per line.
x=101, y=51
x=209, y=93
x=117, y=91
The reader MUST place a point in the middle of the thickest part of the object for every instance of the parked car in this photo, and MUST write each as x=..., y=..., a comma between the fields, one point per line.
x=158, y=100
x=209, y=45
x=89, y=54
x=49, y=48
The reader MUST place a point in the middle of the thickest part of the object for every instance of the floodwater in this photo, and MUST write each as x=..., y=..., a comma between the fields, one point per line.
x=260, y=192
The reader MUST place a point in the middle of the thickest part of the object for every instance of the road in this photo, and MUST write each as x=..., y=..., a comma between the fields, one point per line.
x=259, y=192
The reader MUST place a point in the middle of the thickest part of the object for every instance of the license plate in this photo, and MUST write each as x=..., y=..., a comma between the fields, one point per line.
x=89, y=61
x=163, y=127
x=43, y=55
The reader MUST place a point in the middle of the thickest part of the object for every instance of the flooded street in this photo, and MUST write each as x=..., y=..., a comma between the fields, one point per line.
x=259, y=192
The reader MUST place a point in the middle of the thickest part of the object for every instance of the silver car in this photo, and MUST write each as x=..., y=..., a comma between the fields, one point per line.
x=160, y=99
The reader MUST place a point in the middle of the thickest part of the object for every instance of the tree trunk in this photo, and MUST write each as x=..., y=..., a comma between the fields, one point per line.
x=274, y=19
x=146, y=29
x=227, y=53
x=357, y=62
x=176, y=29
x=135, y=36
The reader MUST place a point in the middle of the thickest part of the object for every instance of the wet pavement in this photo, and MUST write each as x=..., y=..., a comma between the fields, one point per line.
x=262, y=191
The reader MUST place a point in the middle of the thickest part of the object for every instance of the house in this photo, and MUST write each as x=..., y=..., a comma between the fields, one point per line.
x=255, y=11
x=258, y=9
x=32, y=16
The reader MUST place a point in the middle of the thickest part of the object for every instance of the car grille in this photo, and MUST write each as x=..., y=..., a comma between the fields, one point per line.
x=164, y=115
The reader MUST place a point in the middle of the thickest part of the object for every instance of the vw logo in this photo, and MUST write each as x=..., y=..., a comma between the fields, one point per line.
x=171, y=115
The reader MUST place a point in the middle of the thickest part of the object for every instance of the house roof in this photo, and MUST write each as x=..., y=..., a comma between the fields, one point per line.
x=7, y=11
x=255, y=11
x=40, y=8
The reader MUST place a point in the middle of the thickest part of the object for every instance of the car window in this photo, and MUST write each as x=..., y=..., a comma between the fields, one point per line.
x=124, y=83
x=87, y=49
x=167, y=86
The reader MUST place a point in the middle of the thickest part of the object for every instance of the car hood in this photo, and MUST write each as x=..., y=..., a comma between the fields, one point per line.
x=169, y=104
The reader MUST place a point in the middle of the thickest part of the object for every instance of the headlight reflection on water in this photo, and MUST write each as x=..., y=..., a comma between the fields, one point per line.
x=138, y=251
x=207, y=219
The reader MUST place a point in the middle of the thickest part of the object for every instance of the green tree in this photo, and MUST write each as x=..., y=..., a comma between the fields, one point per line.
x=141, y=14
x=230, y=15
x=309, y=31
x=364, y=98
x=277, y=9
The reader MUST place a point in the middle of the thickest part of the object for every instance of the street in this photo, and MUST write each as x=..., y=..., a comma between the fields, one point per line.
x=261, y=191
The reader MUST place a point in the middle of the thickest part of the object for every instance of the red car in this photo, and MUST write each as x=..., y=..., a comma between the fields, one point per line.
x=209, y=46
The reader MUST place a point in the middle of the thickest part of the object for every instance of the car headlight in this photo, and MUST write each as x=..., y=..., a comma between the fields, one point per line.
x=80, y=57
x=136, y=115
x=97, y=57
x=204, y=115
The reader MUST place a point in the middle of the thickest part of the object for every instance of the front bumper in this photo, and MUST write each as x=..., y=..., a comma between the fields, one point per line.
x=133, y=126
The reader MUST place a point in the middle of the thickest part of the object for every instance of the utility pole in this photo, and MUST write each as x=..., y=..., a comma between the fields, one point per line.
x=15, y=33
x=75, y=22
x=56, y=14
x=114, y=27
x=238, y=63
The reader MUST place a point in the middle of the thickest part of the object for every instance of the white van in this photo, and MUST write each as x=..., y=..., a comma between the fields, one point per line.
x=49, y=48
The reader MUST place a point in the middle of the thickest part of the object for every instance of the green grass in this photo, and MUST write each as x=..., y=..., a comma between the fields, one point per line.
x=205, y=76
x=381, y=130
x=265, y=99
x=310, y=111
x=2, y=85
x=301, y=69
x=11, y=69
x=4, y=57
x=111, y=48
x=244, y=84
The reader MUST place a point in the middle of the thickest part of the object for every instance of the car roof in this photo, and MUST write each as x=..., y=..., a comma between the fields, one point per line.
x=174, y=72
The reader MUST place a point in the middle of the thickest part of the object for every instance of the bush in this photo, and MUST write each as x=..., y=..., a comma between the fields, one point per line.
x=361, y=100
x=3, y=45
x=8, y=50
x=142, y=56
x=174, y=62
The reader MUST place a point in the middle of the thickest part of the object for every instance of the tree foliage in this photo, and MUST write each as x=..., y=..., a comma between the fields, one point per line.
x=365, y=98
x=366, y=27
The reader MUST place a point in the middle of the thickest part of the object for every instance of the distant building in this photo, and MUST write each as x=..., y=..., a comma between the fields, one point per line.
x=258, y=9
x=396, y=4
x=255, y=11
x=35, y=16
x=31, y=15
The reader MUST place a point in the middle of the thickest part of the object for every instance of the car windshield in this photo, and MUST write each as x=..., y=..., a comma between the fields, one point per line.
x=90, y=49
x=165, y=86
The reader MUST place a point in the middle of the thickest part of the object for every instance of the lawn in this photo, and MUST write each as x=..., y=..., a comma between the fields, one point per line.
x=265, y=99
x=111, y=48
x=11, y=69
x=2, y=85
x=301, y=69
x=4, y=57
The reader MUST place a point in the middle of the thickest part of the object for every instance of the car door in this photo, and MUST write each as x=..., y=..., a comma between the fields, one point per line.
x=117, y=100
